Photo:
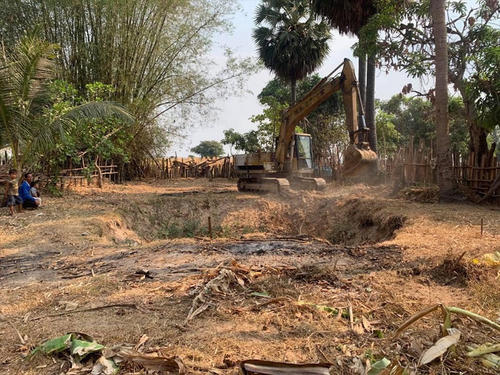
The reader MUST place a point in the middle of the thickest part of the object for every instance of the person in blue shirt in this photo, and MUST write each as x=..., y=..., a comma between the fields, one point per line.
x=29, y=201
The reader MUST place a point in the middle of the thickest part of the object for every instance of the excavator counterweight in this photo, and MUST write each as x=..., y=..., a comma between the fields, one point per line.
x=292, y=165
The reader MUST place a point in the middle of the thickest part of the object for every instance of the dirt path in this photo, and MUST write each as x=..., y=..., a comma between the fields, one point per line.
x=146, y=248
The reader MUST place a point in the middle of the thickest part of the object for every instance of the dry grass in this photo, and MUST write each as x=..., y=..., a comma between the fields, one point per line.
x=114, y=232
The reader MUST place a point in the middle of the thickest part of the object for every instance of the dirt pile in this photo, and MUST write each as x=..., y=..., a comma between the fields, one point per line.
x=364, y=221
x=116, y=229
x=355, y=221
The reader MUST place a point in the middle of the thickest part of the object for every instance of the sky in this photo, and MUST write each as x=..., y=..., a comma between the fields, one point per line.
x=235, y=112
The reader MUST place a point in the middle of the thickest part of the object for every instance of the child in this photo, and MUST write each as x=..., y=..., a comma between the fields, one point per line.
x=34, y=190
x=11, y=192
x=35, y=193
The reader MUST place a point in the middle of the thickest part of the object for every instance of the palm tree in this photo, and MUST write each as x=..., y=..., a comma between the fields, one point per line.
x=349, y=17
x=292, y=41
x=24, y=100
x=438, y=15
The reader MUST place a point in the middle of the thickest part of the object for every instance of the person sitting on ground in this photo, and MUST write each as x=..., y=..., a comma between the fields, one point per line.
x=11, y=192
x=29, y=201
x=34, y=190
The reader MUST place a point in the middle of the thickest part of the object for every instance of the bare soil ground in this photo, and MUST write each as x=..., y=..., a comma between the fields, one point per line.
x=140, y=253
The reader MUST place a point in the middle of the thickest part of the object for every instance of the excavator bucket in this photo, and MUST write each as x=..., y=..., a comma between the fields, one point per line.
x=359, y=163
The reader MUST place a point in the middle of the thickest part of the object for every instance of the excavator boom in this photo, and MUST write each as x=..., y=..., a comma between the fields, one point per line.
x=323, y=90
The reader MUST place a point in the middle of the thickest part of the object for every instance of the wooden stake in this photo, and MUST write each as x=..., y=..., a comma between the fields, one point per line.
x=210, y=227
x=482, y=226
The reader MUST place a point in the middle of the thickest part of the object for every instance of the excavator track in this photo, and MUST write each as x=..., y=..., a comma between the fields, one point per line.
x=264, y=184
x=280, y=185
x=308, y=183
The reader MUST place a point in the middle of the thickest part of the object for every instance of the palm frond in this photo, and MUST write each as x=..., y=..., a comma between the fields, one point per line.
x=346, y=15
x=32, y=67
x=96, y=110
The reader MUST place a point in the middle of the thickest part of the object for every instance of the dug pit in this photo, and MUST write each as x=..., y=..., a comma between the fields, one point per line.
x=357, y=221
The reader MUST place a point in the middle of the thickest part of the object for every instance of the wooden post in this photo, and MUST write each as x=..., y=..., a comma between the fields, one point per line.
x=212, y=236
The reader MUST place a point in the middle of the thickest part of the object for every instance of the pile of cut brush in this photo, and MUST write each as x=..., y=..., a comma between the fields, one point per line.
x=82, y=355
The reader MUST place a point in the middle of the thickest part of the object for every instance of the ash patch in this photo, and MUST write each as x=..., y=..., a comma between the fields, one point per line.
x=267, y=247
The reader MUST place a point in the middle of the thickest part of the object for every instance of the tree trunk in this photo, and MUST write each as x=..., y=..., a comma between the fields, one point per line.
x=362, y=78
x=16, y=156
x=478, y=135
x=99, y=173
x=289, y=160
x=370, y=103
x=293, y=89
x=445, y=174
x=478, y=141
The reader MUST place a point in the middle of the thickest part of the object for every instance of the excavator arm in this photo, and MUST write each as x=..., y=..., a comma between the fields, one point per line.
x=323, y=90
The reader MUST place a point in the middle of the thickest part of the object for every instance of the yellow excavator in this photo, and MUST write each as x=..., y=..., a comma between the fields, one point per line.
x=292, y=163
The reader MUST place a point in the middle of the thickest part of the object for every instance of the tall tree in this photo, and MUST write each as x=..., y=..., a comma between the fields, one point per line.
x=370, y=102
x=208, y=149
x=445, y=174
x=349, y=17
x=148, y=50
x=473, y=58
x=292, y=41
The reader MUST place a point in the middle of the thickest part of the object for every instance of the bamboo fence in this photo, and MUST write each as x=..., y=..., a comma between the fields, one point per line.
x=172, y=168
x=416, y=165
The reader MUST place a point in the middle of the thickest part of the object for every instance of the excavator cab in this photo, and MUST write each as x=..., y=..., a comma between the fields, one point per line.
x=303, y=152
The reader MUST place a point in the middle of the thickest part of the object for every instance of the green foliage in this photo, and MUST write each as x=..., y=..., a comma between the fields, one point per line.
x=388, y=137
x=39, y=119
x=484, y=85
x=269, y=122
x=459, y=131
x=325, y=124
x=411, y=117
x=291, y=41
x=347, y=16
x=247, y=142
x=86, y=138
x=24, y=75
x=208, y=149
x=402, y=118
x=231, y=138
x=98, y=91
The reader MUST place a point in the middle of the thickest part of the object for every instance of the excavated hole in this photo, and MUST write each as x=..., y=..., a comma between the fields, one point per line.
x=354, y=222
x=364, y=222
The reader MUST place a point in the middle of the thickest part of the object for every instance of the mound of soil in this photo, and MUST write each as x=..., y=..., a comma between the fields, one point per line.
x=422, y=194
x=455, y=272
x=362, y=221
